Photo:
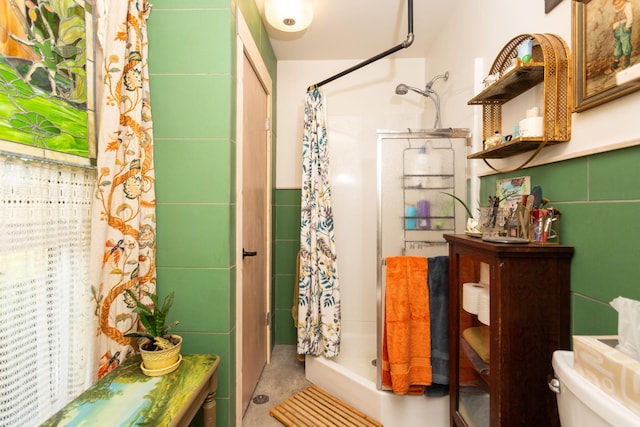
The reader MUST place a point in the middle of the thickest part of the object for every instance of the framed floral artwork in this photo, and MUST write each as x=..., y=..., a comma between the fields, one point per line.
x=46, y=79
x=510, y=191
x=603, y=45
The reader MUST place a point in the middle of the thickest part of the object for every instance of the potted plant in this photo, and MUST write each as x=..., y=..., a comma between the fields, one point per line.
x=160, y=351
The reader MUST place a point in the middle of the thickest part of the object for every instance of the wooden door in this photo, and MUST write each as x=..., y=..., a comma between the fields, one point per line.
x=255, y=234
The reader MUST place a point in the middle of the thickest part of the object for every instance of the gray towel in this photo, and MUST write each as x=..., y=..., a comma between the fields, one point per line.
x=438, y=282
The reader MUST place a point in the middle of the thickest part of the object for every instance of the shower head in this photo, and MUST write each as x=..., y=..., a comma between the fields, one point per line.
x=403, y=89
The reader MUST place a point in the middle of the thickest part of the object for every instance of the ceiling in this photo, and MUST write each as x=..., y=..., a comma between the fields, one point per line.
x=360, y=29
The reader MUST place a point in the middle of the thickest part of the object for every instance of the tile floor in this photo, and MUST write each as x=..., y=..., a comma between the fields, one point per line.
x=281, y=379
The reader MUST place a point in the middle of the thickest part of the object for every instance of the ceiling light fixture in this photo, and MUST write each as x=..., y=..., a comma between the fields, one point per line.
x=289, y=15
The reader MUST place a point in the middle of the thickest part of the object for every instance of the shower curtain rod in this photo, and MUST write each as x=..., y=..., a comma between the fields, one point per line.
x=403, y=45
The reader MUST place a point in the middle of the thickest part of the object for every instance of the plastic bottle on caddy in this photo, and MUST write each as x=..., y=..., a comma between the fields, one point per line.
x=410, y=213
x=424, y=212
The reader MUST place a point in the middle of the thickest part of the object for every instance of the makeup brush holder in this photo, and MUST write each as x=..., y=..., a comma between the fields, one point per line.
x=545, y=226
x=493, y=222
x=519, y=227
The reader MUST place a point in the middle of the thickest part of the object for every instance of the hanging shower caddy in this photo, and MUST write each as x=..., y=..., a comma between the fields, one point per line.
x=427, y=177
x=417, y=172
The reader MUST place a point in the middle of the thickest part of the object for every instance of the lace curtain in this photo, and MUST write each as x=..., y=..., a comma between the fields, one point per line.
x=46, y=323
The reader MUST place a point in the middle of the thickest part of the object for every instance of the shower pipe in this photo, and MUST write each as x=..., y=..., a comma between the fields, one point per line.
x=403, y=45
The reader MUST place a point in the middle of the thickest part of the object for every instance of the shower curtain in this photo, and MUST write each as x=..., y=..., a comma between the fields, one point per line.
x=124, y=222
x=318, y=287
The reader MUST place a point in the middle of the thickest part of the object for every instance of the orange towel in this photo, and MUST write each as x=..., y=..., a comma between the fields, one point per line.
x=406, y=346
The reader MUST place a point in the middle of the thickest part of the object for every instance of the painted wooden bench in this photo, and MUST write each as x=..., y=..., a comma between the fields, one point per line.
x=125, y=396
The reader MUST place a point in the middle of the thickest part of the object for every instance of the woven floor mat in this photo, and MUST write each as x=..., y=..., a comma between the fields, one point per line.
x=314, y=407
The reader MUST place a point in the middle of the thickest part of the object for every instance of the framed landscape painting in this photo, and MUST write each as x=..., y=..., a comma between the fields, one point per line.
x=46, y=78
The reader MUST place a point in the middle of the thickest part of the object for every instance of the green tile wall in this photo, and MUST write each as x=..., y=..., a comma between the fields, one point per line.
x=286, y=245
x=599, y=197
x=192, y=56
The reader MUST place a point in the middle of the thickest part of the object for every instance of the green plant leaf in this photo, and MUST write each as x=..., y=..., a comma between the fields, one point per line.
x=140, y=307
x=461, y=202
x=154, y=299
x=167, y=328
x=168, y=302
x=146, y=316
x=139, y=335
x=149, y=323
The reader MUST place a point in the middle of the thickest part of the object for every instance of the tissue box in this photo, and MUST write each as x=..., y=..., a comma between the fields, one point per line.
x=615, y=373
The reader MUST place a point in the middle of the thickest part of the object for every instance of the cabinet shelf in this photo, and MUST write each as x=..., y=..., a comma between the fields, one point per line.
x=483, y=384
x=483, y=375
x=551, y=67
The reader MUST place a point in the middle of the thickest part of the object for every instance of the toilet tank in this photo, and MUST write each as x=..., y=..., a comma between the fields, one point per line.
x=581, y=403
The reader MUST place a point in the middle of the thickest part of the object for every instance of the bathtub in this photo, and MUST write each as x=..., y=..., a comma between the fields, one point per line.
x=352, y=378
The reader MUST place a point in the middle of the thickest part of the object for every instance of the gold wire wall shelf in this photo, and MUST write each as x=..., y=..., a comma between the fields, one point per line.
x=550, y=66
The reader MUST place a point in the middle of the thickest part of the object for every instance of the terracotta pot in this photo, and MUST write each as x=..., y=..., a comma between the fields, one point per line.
x=162, y=359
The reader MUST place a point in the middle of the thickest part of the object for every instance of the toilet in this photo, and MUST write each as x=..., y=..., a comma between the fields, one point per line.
x=582, y=404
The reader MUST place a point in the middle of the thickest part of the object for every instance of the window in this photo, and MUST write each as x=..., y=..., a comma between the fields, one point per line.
x=46, y=311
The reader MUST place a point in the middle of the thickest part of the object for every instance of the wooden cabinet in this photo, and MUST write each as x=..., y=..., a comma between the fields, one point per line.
x=529, y=319
x=551, y=66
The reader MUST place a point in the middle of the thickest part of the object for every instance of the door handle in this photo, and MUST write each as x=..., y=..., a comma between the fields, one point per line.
x=248, y=253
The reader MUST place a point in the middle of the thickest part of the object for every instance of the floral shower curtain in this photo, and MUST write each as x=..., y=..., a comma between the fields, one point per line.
x=123, y=223
x=318, y=287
